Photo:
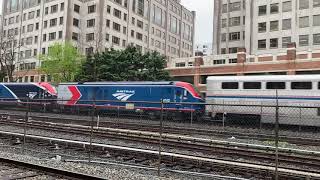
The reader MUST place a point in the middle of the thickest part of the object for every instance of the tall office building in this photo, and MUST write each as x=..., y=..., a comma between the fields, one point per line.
x=95, y=25
x=265, y=26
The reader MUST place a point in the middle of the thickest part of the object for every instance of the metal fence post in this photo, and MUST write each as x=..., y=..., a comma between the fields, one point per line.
x=91, y=128
x=160, y=138
x=25, y=125
x=261, y=112
x=300, y=118
x=191, y=114
x=277, y=136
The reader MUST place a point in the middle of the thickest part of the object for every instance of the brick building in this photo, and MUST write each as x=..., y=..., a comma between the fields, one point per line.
x=195, y=70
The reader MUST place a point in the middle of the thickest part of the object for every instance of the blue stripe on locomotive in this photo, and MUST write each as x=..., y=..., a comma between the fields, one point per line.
x=127, y=93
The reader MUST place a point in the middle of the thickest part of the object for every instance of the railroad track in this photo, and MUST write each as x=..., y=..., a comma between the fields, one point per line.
x=252, y=152
x=11, y=169
x=173, y=129
x=170, y=160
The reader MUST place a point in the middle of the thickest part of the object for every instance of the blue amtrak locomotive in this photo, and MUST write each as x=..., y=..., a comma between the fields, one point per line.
x=126, y=95
x=21, y=92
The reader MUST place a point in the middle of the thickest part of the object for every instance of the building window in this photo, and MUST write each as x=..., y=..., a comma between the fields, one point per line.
x=274, y=8
x=61, y=20
x=107, y=37
x=30, y=28
x=61, y=6
x=91, y=9
x=233, y=50
x=108, y=23
x=108, y=9
x=274, y=43
x=234, y=21
x=233, y=61
x=116, y=26
x=304, y=40
x=224, y=23
x=286, y=6
x=117, y=13
x=54, y=8
x=236, y=6
x=115, y=40
x=139, y=36
x=76, y=8
x=91, y=22
x=316, y=20
x=46, y=10
x=303, y=4
x=89, y=51
x=118, y=1
x=274, y=25
x=60, y=35
x=52, y=36
x=262, y=27
x=234, y=36
x=304, y=22
x=286, y=41
x=75, y=22
x=75, y=36
x=224, y=8
x=262, y=10
x=286, y=24
x=30, y=15
x=141, y=7
x=223, y=37
x=262, y=44
x=140, y=24
x=124, y=30
x=316, y=3
x=90, y=37
x=316, y=39
x=219, y=61
x=53, y=22
x=223, y=51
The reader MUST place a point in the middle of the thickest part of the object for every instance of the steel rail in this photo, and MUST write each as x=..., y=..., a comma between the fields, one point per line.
x=182, y=158
x=48, y=170
x=178, y=130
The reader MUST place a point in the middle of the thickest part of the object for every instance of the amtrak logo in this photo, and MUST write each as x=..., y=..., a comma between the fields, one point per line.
x=31, y=95
x=123, y=95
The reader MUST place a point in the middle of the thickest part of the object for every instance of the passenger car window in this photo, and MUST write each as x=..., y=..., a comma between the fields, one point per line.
x=301, y=85
x=252, y=85
x=276, y=85
x=230, y=85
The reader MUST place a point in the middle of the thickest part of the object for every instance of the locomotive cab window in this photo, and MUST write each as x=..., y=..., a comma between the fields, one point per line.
x=230, y=85
x=301, y=85
x=252, y=85
x=276, y=85
x=178, y=93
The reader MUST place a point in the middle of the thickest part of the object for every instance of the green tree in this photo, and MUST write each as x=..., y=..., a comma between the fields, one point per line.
x=124, y=65
x=62, y=62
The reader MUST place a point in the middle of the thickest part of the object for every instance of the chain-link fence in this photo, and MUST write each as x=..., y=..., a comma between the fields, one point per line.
x=160, y=126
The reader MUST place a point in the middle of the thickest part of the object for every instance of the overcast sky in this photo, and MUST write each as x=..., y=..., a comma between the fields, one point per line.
x=204, y=19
